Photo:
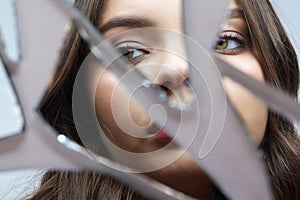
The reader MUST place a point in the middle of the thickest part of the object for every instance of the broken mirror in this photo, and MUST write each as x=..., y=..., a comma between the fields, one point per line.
x=148, y=116
x=11, y=117
x=147, y=106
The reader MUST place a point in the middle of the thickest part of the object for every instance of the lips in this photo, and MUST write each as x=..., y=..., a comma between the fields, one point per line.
x=159, y=134
x=162, y=135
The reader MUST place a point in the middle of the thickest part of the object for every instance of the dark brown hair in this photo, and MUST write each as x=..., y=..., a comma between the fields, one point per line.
x=280, y=66
x=280, y=144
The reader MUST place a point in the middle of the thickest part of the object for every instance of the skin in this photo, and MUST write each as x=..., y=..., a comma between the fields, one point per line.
x=183, y=174
x=253, y=112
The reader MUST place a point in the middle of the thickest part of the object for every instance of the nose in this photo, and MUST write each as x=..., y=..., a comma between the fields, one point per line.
x=173, y=73
x=173, y=79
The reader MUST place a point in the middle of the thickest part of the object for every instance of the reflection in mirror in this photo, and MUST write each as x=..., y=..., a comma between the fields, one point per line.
x=272, y=126
x=289, y=16
x=102, y=116
x=270, y=59
x=11, y=117
x=91, y=106
x=110, y=123
x=9, y=30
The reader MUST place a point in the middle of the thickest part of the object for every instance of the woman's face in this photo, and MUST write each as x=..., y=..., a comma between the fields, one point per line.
x=169, y=70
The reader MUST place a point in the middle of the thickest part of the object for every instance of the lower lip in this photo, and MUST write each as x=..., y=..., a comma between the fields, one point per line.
x=162, y=135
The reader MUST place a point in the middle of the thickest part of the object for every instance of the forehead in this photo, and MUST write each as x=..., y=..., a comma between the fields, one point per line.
x=156, y=13
x=162, y=13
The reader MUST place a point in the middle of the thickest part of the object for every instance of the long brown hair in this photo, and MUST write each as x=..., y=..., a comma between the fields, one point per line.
x=280, y=66
x=281, y=143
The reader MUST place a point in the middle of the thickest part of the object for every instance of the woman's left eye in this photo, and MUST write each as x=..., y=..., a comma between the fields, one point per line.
x=230, y=43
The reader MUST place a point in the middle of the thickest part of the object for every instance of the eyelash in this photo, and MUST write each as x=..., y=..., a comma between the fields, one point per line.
x=231, y=36
x=133, y=48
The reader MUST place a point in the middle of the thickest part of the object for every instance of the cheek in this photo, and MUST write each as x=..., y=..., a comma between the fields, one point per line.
x=103, y=96
x=252, y=111
x=115, y=109
x=247, y=63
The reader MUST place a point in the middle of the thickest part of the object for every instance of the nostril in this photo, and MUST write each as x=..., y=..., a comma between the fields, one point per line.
x=179, y=98
x=167, y=84
x=166, y=87
x=187, y=82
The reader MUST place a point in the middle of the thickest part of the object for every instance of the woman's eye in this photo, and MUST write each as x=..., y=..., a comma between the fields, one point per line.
x=133, y=53
x=223, y=44
x=230, y=43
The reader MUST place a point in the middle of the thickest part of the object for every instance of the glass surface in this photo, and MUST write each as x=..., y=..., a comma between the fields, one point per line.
x=9, y=30
x=96, y=135
x=11, y=117
x=111, y=123
x=116, y=117
x=146, y=107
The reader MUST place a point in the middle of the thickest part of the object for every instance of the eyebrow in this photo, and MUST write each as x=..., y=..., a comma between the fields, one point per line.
x=137, y=22
x=132, y=22
x=236, y=13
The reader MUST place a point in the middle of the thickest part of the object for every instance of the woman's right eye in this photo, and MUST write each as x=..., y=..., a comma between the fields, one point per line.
x=132, y=54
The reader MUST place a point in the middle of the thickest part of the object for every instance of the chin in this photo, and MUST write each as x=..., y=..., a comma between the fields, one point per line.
x=186, y=176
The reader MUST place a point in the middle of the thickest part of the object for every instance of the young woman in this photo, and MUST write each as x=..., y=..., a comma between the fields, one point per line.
x=252, y=39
